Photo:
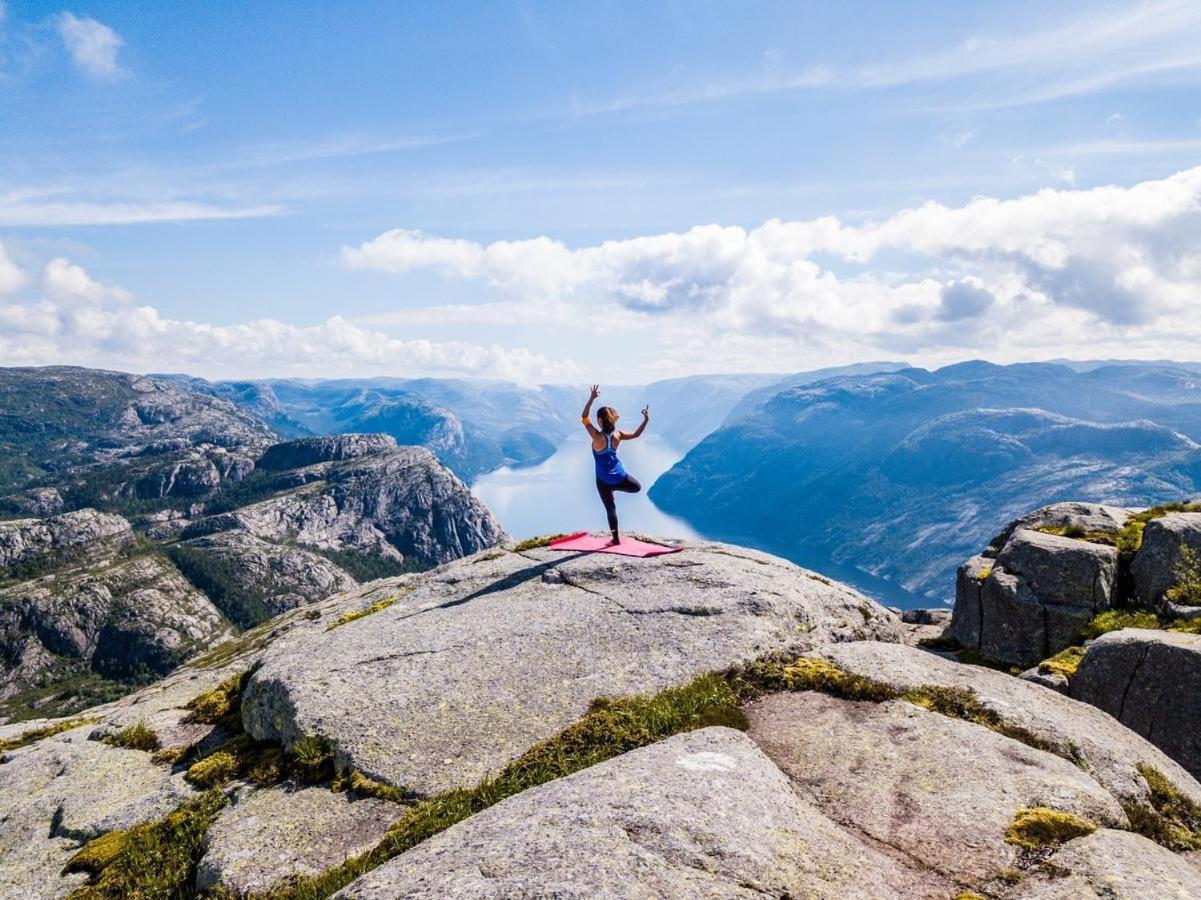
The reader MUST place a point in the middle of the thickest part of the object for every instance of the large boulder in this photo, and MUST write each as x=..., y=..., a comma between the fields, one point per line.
x=938, y=789
x=1102, y=747
x=1070, y=517
x=1154, y=568
x=1149, y=681
x=703, y=814
x=1034, y=598
x=268, y=836
x=473, y=663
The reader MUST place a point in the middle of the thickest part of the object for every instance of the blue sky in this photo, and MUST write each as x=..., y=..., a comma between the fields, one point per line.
x=571, y=191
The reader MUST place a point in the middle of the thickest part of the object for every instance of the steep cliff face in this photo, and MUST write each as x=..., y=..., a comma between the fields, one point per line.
x=361, y=494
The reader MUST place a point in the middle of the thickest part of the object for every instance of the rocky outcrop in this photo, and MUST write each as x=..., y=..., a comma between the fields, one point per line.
x=1034, y=597
x=59, y=793
x=1069, y=518
x=433, y=680
x=1149, y=681
x=269, y=836
x=93, y=600
x=55, y=542
x=398, y=503
x=704, y=814
x=100, y=438
x=938, y=789
x=1154, y=568
x=1099, y=745
x=253, y=580
x=309, y=451
x=486, y=656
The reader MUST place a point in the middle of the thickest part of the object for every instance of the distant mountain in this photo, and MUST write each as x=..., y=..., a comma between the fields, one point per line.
x=685, y=410
x=471, y=426
x=902, y=475
x=73, y=437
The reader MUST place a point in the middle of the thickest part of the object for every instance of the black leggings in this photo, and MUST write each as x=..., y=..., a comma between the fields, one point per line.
x=629, y=486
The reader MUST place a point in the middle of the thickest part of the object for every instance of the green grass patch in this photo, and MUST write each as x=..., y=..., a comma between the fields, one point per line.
x=377, y=606
x=135, y=737
x=1130, y=539
x=355, y=782
x=1173, y=820
x=611, y=727
x=221, y=705
x=1039, y=827
x=157, y=859
x=1117, y=619
x=36, y=734
x=1064, y=663
x=535, y=542
x=1187, y=590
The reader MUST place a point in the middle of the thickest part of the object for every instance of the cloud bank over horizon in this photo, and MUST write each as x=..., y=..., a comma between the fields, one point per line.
x=62, y=315
x=1104, y=271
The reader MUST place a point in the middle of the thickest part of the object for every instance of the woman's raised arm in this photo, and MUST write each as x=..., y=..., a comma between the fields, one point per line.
x=586, y=415
x=646, y=416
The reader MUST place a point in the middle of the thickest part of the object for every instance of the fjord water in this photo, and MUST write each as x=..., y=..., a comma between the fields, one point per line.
x=559, y=495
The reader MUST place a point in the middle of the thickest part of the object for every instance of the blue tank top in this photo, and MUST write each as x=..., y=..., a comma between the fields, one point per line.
x=608, y=467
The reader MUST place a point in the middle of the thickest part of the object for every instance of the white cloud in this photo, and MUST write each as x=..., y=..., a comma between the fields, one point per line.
x=93, y=46
x=1048, y=272
x=11, y=277
x=69, y=317
x=36, y=208
x=1114, y=118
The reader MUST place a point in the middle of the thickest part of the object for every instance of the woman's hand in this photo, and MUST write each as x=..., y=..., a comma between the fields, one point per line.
x=595, y=392
x=646, y=411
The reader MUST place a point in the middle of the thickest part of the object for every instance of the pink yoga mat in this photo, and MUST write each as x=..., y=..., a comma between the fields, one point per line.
x=627, y=547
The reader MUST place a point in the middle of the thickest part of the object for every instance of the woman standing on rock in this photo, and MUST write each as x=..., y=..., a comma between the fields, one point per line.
x=611, y=475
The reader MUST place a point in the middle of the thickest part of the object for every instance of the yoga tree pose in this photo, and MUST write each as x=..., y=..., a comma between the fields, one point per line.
x=610, y=473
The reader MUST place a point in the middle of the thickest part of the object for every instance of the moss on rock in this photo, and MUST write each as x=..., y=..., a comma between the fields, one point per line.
x=1064, y=663
x=1040, y=827
x=135, y=737
x=157, y=859
x=535, y=542
x=219, y=705
x=1176, y=821
x=36, y=734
